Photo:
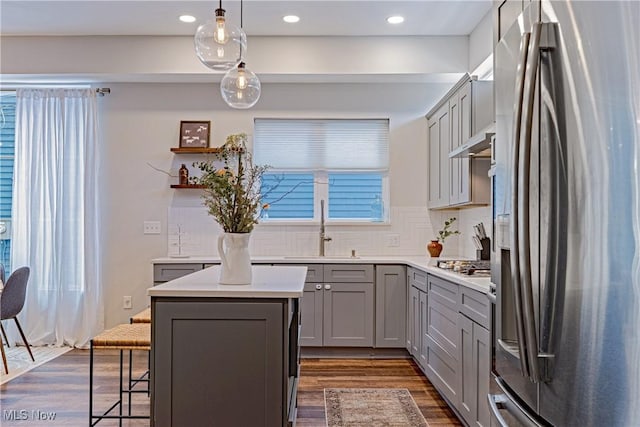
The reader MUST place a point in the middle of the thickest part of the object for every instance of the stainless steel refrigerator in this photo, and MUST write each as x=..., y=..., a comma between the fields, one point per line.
x=566, y=254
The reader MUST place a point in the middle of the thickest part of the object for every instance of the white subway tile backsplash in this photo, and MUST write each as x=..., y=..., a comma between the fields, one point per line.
x=412, y=225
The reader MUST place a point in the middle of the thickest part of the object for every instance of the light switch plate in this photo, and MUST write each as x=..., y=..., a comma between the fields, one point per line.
x=152, y=227
x=393, y=240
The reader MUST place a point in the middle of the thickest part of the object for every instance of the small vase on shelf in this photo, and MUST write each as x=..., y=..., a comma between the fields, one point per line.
x=434, y=248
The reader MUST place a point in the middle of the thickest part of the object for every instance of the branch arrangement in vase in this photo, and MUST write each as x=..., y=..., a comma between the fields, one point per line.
x=232, y=192
x=446, y=230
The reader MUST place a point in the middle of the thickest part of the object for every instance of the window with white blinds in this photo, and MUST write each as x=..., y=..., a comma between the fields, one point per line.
x=7, y=154
x=342, y=161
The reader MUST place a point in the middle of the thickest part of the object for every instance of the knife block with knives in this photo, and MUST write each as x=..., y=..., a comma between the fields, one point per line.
x=481, y=242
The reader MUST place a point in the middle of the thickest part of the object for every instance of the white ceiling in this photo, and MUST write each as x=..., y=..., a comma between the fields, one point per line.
x=261, y=17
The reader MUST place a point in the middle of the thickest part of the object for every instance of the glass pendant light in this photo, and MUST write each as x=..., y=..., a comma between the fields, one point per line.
x=240, y=87
x=220, y=45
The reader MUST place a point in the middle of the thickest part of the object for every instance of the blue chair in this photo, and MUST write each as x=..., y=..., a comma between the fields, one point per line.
x=11, y=303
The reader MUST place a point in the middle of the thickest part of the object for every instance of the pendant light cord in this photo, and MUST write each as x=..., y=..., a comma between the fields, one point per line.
x=240, y=14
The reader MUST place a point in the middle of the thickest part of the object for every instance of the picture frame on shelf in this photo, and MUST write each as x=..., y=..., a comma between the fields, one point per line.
x=194, y=134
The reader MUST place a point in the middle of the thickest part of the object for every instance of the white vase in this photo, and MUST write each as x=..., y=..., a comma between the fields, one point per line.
x=233, y=249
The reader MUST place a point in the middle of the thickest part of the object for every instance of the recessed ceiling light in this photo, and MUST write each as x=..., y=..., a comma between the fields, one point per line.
x=291, y=19
x=397, y=19
x=187, y=18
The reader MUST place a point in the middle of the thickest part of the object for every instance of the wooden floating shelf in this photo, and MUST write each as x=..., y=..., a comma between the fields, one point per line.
x=195, y=150
x=187, y=186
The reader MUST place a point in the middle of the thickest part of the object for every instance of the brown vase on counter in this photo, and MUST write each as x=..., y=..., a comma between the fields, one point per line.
x=434, y=248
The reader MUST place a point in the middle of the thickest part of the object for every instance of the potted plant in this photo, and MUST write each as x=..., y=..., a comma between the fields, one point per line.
x=435, y=247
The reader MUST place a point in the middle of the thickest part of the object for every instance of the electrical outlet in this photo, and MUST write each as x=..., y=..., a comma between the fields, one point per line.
x=126, y=302
x=152, y=227
x=393, y=240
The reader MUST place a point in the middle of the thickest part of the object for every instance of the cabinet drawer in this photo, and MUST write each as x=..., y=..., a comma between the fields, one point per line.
x=418, y=279
x=475, y=306
x=348, y=273
x=444, y=291
x=442, y=326
x=166, y=272
x=315, y=273
x=442, y=371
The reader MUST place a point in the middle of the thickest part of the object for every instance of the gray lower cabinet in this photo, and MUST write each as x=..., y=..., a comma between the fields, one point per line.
x=413, y=322
x=417, y=309
x=312, y=309
x=348, y=314
x=475, y=357
x=458, y=348
x=166, y=272
x=391, y=305
x=443, y=348
x=224, y=362
x=338, y=306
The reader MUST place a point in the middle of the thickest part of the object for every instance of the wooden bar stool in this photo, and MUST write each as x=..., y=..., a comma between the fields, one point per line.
x=125, y=337
x=143, y=317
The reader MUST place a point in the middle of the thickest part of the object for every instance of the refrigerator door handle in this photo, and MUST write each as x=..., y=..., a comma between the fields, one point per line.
x=557, y=200
x=515, y=197
x=505, y=401
x=498, y=402
x=524, y=249
x=494, y=401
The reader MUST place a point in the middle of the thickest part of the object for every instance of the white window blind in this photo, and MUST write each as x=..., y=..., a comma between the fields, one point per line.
x=322, y=144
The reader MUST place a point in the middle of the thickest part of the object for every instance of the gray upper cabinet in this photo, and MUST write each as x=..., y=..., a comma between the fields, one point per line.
x=391, y=306
x=465, y=110
x=439, y=158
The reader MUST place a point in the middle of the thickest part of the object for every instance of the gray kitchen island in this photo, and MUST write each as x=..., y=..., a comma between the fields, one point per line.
x=226, y=355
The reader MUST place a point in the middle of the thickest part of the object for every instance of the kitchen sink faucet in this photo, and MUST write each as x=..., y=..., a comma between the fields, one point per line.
x=323, y=237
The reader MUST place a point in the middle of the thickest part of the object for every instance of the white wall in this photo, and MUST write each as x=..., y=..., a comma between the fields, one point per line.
x=140, y=124
x=481, y=41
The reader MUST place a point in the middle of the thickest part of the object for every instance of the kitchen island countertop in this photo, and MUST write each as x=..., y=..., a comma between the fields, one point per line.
x=267, y=282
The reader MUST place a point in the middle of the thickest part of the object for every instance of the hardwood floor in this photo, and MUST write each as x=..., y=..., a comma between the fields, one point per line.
x=61, y=387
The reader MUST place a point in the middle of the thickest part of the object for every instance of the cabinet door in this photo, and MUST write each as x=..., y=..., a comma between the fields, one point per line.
x=423, y=328
x=415, y=322
x=439, y=140
x=391, y=306
x=454, y=142
x=463, y=193
x=311, y=312
x=475, y=372
x=482, y=363
x=468, y=373
x=348, y=314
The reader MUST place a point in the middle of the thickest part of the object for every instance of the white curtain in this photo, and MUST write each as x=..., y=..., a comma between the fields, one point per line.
x=55, y=215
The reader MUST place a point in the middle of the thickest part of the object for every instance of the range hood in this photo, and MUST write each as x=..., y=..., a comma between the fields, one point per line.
x=479, y=145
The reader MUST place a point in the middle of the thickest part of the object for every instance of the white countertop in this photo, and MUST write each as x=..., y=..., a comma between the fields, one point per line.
x=424, y=263
x=267, y=282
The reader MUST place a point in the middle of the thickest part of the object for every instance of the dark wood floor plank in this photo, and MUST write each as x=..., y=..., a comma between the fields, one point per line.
x=62, y=386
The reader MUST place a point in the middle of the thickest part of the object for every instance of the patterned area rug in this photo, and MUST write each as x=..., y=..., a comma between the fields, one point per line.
x=359, y=407
x=19, y=361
